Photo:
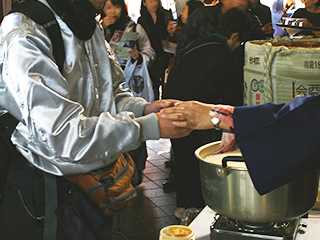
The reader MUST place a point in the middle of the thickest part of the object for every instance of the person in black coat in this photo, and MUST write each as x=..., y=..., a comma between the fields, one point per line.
x=155, y=19
x=209, y=72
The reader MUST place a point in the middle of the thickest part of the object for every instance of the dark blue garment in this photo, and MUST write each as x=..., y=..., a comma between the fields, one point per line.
x=279, y=142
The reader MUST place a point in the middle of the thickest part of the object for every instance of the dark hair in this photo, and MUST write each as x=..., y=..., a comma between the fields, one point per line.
x=121, y=23
x=235, y=20
x=193, y=5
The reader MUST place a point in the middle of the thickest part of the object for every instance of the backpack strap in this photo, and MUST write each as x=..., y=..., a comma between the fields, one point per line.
x=42, y=15
x=50, y=220
x=186, y=51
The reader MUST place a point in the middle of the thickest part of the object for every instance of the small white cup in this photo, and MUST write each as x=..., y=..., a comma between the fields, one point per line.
x=177, y=232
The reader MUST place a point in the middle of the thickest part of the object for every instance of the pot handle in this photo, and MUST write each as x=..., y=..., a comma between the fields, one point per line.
x=231, y=159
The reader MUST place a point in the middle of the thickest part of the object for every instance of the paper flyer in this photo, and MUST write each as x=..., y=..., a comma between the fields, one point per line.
x=169, y=47
x=121, y=42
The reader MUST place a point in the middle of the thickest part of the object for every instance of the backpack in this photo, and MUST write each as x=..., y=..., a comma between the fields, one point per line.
x=112, y=187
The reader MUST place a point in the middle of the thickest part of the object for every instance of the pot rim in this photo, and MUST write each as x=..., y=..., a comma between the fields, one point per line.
x=206, y=150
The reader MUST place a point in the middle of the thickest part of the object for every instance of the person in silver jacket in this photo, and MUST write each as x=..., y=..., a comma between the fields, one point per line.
x=80, y=120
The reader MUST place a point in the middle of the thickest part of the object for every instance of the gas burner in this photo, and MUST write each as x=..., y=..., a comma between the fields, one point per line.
x=224, y=228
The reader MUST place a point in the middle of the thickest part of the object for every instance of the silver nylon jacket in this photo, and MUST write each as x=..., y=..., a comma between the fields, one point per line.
x=72, y=123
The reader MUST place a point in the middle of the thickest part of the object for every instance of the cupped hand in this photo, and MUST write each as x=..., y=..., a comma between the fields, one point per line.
x=168, y=130
x=156, y=106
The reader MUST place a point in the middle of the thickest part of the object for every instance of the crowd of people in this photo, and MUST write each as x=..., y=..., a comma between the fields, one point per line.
x=80, y=118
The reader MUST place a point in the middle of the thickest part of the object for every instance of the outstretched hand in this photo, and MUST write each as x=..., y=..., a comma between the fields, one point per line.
x=192, y=114
x=156, y=106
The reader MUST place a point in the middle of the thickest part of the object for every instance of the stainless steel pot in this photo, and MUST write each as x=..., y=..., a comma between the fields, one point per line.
x=230, y=192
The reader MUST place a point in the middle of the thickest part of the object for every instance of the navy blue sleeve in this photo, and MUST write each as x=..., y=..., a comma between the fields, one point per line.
x=279, y=142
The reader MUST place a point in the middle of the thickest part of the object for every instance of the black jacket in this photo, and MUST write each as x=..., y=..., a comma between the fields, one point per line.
x=202, y=23
x=208, y=72
x=263, y=14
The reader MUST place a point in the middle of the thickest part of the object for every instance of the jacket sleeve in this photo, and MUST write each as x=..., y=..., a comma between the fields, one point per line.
x=145, y=45
x=279, y=142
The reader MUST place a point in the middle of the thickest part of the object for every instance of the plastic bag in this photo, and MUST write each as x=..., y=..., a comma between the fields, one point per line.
x=138, y=80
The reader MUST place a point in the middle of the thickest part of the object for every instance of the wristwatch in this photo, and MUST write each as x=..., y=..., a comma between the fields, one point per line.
x=214, y=120
x=216, y=123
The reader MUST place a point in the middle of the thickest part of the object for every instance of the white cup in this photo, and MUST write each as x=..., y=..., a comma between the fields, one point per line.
x=177, y=232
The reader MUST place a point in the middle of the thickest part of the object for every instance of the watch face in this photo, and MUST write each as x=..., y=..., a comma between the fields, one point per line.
x=215, y=120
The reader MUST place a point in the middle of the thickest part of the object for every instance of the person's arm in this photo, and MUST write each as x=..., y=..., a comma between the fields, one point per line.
x=279, y=142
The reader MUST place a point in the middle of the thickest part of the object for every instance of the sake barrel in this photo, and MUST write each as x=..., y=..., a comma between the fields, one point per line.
x=280, y=69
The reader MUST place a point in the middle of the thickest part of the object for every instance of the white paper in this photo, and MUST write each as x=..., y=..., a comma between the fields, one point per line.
x=121, y=42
